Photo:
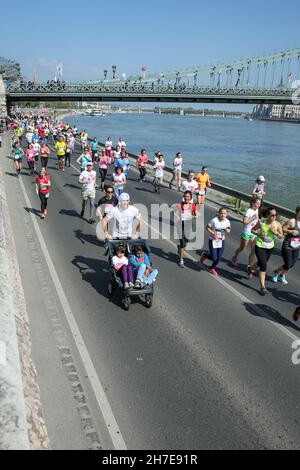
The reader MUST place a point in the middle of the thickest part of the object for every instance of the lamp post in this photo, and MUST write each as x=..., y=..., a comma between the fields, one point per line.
x=105, y=74
x=114, y=68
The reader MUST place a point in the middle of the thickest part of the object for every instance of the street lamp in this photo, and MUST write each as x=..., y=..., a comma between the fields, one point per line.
x=114, y=68
x=105, y=74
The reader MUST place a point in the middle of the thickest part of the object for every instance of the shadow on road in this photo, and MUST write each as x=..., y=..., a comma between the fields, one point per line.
x=93, y=271
x=274, y=314
x=31, y=210
x=87, y=238
x=72, y=186
x=70, y=213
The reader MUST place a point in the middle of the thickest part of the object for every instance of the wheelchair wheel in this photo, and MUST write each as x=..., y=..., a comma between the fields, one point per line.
x=148, y=300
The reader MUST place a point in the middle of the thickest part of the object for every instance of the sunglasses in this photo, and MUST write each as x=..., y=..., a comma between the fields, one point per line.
x=109, y=192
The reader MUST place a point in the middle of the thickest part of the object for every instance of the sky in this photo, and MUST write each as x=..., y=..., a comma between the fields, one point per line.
x=161, y=35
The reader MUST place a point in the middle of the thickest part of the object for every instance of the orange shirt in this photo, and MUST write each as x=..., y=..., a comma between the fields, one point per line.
x=202, y=180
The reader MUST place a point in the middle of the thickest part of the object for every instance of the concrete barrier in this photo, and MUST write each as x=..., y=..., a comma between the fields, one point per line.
x=13, y=425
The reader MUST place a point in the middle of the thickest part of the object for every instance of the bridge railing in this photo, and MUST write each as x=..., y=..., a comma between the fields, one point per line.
x=63, y=87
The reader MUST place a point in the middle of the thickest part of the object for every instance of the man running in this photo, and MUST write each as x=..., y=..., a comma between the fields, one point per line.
x=203, y=181
x=61, y=152
x=122, y=217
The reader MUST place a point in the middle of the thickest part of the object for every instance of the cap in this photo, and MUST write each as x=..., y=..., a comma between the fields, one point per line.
x=124, y=197
x=261, y=178
x=89, y=164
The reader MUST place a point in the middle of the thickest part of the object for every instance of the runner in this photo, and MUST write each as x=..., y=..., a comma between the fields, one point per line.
x=103, y=162
x=94, y=148
x=29, y=136
x=116, y=153
x=217, y=228
x=142, y=164
x=122, y=216
x=123, y=162
x=88, y=180
x=247, y=238
x=61, y=146
x=43, y=184
x=84, y=159
x=18, y=153
x=107, y=202
x=290, y=248
x=259, y=188
x=190, y=184
x=184, y=213
x=177, y=169
x=45, y=152
x=29, y=154
x=69, y=149
x=159, y=173
x=119, y=181
x=84, y=139
x=108, y=147
x=121, y=143
x=203, y=181
x=266, y=230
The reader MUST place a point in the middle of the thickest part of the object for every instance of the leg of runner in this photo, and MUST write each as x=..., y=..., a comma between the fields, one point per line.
x=92, y=210
x=84, y=201
x=43, y=204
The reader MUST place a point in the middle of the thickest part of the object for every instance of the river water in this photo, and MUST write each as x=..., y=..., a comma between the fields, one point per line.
x=235, y=150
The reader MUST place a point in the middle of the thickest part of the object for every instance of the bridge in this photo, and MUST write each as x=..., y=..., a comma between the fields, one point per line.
x=258, y=80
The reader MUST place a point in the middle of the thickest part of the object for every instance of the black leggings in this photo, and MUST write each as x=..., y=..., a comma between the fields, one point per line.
x=142, y=172
x=290, y=257
x=44, y=162
x=263, y=255
x=44, y=201
x=102, y=172
x=68, y=158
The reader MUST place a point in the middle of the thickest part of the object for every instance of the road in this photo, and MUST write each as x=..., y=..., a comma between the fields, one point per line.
x=207, y=367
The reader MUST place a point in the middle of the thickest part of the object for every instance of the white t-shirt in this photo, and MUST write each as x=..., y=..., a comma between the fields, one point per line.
x=36, y=147
x=29, y=136
x=108, y=144
x=218, y=226
x=119, y=262
x=118, y=180
x=90, y=177
x=250, y=213
x=190, y=185
x=159, y=169
x=177, y=164
x=121, y=143
x=123, y=218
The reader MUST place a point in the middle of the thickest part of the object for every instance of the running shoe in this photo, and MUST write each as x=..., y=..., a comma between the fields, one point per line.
x=296, y=314
x=213, y=272
x=203, y=258
x=45, y=212
x=131, y=284
x=181, y=263
x=263, y=291
x=275, y=278
x=138, y=284
x=251, y=272
x=126, y=285
x=284, y=280
x=234, y=262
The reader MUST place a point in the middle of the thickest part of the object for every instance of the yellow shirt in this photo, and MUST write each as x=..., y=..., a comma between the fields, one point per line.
x=60, y=148
x=202, y=180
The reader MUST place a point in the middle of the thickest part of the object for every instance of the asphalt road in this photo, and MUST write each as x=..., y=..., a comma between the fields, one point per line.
x=207, y=367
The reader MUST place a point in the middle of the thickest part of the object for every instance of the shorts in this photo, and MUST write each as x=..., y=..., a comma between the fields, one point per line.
x=183, y=241
x=177, y=170
x=248, y=236
x=197, y=192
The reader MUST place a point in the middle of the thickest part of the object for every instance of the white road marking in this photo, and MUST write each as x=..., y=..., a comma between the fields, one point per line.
x=98, y=389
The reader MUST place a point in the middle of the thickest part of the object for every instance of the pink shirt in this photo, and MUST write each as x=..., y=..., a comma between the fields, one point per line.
x=30, y=154
x=103, y=162
x=119, y=262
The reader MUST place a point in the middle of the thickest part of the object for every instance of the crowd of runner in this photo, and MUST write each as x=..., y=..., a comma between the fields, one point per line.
x=31, y=139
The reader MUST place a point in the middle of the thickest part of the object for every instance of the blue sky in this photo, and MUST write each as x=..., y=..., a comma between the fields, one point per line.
x=163, y=35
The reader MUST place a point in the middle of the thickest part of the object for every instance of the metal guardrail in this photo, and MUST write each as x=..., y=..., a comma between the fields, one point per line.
x=238, y=195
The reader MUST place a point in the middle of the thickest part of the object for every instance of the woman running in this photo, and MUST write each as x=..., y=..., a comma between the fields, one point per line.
x=43, y=184
x=184, y=213
x=177, y=169
x=30, y=154
x=203, y=181
x=290, y=248
x=118, y=181
x=159, y=173
x=17, y=153
x=45, y=152
x=103, y=162
x=217, y=228
x=248, y=238
x=142, y=164
x=267, y=230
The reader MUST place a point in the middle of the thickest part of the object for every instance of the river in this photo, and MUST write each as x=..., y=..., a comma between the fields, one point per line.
x=235, y=150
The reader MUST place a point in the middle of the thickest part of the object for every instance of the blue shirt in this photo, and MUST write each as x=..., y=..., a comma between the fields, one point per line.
x=137, y=261
x=36, y=137
x=94, y=145
x=123, y=163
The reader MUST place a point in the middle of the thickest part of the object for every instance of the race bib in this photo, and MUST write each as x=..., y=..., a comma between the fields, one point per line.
x=295, y=242
x=217, y=243
x=268, y=243
x=186, y=216
x=95, y=154
x=47, y=195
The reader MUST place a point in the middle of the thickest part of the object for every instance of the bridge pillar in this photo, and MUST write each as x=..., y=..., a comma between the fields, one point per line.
x=3, y=104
